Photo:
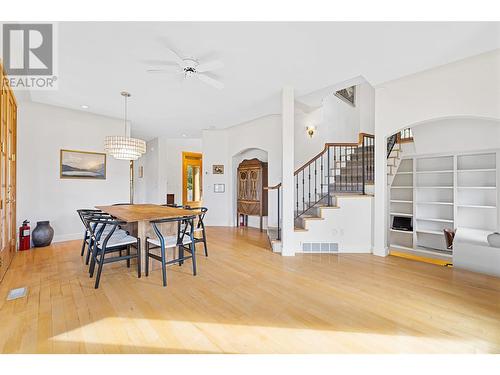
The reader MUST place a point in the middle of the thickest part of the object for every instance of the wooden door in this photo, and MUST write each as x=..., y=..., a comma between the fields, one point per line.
x=192, y=184
x=8, y=133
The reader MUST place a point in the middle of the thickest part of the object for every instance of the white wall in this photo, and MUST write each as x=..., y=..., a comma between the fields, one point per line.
x=220, y=146
x=468, y=88
x=147, y=188
x=162, y=169
x=456, y=135
x=350, y=226
x=335, y=121
x=171, y=163
x=41, y=195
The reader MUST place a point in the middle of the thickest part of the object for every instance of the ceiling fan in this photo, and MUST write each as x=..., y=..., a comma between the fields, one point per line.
x=191, y=68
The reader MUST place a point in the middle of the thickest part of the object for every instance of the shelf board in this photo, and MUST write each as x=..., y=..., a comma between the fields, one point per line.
x=401, y=187
x=429, y=232
x=400, y=201
x=427, y=250
x=477, y=170
x=434, y=187
x=401, y=231
x=475, y=206
x=404, y=172
x=399, y=247
x=437, y=220
x=439, y=203
x=401, y=214
x=439, y=171
x=477, y=187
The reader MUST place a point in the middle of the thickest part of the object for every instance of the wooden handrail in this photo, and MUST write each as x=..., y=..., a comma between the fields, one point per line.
x=327, y=145
x=273, y=187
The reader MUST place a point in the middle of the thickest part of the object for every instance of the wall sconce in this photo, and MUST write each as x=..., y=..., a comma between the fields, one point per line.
x=310, y=130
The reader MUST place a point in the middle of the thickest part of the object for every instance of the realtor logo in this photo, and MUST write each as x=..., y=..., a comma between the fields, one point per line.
x=28, y=54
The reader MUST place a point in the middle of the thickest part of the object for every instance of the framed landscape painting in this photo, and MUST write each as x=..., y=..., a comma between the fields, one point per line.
x=83, y=165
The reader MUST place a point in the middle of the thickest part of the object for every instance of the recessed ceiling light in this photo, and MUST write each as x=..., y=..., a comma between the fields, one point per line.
x=184, y=135
x=84, y=106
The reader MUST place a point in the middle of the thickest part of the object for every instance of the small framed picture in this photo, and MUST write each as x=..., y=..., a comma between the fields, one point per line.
x=217, y=169
x=219, y=188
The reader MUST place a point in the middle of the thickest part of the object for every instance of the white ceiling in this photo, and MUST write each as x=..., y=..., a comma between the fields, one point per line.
x=98, y=60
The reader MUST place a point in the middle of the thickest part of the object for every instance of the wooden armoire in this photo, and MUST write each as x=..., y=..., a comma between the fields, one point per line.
x=8, y=133
x=252, y=197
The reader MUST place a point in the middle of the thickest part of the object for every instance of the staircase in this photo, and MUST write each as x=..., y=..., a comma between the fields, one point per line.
x=339, y=170
x=394, y=152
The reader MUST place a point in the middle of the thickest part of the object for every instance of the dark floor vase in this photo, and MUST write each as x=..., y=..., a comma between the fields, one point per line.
x=42, y=235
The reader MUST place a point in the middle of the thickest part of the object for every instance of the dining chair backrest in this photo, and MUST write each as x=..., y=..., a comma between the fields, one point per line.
x=201, y=216
x=182, y=231
x=84, y=211
x=98, y=224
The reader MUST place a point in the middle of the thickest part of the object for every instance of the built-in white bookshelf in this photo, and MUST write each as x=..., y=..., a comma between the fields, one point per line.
x=401, y=204
x=477, y=191
x=434, y=198
x=439, y=192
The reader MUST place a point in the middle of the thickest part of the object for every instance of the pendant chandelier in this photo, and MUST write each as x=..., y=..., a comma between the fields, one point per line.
x=121, y=146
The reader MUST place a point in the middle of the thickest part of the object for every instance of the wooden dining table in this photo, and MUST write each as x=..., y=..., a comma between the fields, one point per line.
x=138, y=217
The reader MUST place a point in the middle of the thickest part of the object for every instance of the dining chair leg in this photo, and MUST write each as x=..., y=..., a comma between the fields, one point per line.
x=181, y=255
x=205, y=242
x=128, y=254
x=147, y=256
x=92, y=260
x=89, y=252
x=84, y=243
x=139, y=258
x=163, y=266
x=99, y=269
x=193, y=254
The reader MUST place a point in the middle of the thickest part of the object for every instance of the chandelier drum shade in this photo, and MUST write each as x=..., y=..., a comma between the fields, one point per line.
x=123, y=147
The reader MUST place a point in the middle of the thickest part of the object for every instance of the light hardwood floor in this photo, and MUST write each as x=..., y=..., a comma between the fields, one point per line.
x=248, y=300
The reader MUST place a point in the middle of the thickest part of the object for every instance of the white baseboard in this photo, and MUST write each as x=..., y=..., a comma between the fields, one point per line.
x=68, y=237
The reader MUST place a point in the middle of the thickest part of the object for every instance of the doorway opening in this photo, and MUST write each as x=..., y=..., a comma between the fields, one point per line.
x=192, y=184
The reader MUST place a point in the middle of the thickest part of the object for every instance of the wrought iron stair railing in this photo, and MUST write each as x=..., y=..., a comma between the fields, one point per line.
x=338, y=168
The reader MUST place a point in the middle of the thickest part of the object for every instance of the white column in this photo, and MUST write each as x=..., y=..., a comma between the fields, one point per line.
x=287, y=136
x=381, y=191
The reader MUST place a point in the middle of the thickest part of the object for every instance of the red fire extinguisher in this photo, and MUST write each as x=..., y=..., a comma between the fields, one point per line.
x=24, y=236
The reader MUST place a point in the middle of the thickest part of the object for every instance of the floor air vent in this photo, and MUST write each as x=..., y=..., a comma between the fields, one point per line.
x=320, y=247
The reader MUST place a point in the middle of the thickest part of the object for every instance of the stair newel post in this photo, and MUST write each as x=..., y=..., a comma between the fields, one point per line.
x=328, y=174
x=363, y=163
x=309, y=189
x=315, y=181
x=303, y=195
x=279, y=214
x=297, y=190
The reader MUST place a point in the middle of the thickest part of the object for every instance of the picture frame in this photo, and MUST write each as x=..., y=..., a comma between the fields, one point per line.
x=217, y=169
x=219, y=188
x=348, y=95
x=85, y=165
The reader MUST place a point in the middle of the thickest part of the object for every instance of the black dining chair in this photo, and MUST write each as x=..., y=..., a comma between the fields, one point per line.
x=85, y=216
x=106, y=240
x=86, y=234
x=184, y=241
x=199, y=228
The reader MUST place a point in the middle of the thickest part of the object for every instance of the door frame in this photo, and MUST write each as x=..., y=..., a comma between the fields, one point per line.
x=185, y=156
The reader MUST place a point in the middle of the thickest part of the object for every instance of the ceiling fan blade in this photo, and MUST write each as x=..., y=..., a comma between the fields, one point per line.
x=208, y=66
x=162, y=70
x=176, y=57
x=210, y=81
